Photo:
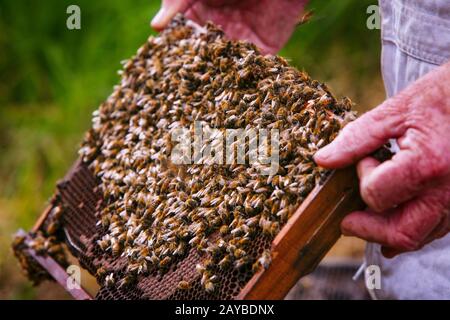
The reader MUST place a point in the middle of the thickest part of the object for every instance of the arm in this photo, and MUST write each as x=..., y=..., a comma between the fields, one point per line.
x=409, y=195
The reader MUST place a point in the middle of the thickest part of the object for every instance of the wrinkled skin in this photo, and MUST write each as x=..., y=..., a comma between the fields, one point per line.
x=267, y=23
x=409, y=195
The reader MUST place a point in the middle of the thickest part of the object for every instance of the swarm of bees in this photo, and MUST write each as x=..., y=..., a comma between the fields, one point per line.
x=155, y=212
x=44, y=242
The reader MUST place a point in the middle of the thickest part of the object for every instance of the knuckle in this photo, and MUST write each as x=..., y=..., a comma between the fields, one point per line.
x=392, y=110
x=431, y=158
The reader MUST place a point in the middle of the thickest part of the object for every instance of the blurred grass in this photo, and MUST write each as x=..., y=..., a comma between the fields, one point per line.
x=53, y=78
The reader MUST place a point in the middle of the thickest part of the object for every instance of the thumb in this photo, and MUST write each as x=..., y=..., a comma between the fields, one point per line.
x=363, y=136
x=169, y=9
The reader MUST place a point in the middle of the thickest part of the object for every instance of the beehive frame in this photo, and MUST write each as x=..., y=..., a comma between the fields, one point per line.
x=296, y=251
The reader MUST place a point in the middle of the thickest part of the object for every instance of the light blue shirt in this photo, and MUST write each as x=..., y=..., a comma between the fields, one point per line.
x=416, y=39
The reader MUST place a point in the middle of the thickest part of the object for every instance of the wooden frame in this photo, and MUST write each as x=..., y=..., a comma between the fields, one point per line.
x=296, y=251
x=307, y=237
x=55, y=269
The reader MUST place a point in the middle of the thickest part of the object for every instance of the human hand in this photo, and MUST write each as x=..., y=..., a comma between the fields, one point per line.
x=408, y=196
x=266, y=23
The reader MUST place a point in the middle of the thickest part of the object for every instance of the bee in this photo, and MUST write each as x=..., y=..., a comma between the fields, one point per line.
x=258, y=201
x=127, y=281
x=214, y=250
x=256, y=266
x=264, y=224
x=245, y=241
x=100, y=273
x=109, y=280
x=321, y=143
x=248, y=208
x=277, y=193
x=116, y=248
x=38, y=245
x=184, y=285
x=262, y=190
x=53, y=227
x=153, y=259
x=209, y=287
x=203, y=244
x=205, y=77
x=265, y=259
x=233, y=184
x=183, y=233
x=242, y=262
x=283, y=214
x=274, y=207
x=208, y=264
x=191, y=203
x=195, y=241
x=274, y=228
x=105, y=221
x=216, y=221
x=239, y=253
x=180, y=250
x=252, y=221
x=255, y=103
x=243, y=76
x=56, y=212
x=200, y=268
x=55, y=249
x=240, y=230
x=18, y=241
x=268, y=227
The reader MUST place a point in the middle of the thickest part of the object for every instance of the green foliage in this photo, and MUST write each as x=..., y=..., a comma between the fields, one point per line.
x=335, y=24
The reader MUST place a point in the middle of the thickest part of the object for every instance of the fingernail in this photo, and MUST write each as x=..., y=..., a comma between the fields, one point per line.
x=158, y=20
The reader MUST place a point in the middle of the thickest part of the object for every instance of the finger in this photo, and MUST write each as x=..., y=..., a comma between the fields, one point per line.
x=402, y=229
x=366, y=166
x=199, y=17
x=440, y=231
x=169, y=9
x=392, y=182
x=363, y=136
